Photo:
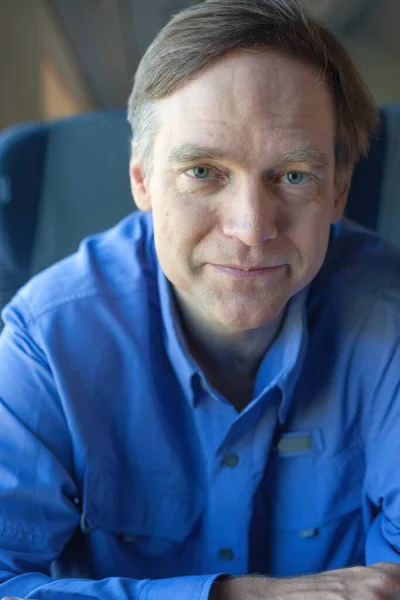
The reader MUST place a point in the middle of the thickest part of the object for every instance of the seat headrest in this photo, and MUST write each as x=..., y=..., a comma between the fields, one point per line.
x=374, y=198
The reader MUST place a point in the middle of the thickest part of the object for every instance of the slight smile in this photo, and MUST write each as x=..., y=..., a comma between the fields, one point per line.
x=249, y=273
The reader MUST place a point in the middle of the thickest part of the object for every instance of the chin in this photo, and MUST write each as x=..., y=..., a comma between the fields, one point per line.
x=248, y=316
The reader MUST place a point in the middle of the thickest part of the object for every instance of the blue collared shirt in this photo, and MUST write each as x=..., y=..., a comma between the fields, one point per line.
x=123, y=473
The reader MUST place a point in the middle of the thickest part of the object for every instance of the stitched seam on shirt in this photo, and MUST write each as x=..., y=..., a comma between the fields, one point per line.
x=147, y=588
x=153, y=582
x=362, y=325
x=202, y=589
x=371, y=434
x=25, y=534
x=70, y=299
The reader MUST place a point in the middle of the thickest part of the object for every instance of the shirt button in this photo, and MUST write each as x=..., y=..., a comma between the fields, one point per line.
x=226, y=554
x=305, y=534
x=230, y=459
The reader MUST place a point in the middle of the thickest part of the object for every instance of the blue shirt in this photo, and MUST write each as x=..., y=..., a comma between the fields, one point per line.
x=120, y=464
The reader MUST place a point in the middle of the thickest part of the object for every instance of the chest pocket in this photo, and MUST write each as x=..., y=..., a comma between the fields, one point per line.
x=148, y=510
x=314, y=505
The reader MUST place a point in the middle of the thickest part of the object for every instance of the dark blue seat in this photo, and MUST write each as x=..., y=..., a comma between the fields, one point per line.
x=374, y=199
x=59, y=182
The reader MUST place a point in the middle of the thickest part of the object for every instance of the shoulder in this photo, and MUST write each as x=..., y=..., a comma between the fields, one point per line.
x=360, y=277
x=354, y=322
x=111, y=264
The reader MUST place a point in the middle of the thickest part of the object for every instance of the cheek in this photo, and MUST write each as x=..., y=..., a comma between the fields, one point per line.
x=169, y=228
x=181, y=227
x=167, y=233
x=182, y=221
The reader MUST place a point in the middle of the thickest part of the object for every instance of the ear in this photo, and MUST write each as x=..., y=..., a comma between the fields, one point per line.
x=342, y=192
x=139, y=183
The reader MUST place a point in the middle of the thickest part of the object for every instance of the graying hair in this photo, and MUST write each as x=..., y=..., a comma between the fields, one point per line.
x=198, y=36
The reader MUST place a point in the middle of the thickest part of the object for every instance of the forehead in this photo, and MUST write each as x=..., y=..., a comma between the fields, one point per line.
x=248, y=102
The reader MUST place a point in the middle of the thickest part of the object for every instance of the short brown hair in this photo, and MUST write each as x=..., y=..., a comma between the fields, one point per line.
x=198, y=36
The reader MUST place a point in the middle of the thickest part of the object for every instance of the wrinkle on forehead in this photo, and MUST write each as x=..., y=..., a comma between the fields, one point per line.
x=242, y=79
x=248, y=99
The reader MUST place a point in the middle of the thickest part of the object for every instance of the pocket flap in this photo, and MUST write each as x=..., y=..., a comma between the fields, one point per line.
x=121, y=501
x=311, y=489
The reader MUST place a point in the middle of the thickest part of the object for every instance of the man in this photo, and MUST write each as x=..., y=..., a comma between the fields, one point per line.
x=211, y=389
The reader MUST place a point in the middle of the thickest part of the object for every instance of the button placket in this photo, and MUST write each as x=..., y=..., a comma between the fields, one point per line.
x=229, y=460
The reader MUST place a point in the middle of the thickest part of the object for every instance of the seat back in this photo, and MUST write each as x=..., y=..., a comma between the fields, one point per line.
x=374, y=199
x=85, y=184
x=59, y=182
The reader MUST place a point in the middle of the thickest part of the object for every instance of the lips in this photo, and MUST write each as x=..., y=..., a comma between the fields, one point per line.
x=249, y=268
x=241, y=272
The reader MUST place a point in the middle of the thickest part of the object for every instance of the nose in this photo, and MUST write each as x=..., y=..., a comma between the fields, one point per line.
x=252, y=214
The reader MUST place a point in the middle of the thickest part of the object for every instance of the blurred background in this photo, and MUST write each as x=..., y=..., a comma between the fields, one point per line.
x=64, y=57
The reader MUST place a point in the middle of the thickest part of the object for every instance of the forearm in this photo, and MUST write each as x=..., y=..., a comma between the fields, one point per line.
x=251, y=587
x=381, y=580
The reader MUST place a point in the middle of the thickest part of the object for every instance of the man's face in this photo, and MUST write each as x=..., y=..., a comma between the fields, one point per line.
x=242, y=187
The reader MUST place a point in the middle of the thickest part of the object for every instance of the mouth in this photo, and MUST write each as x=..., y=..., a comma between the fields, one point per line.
x=241, y=272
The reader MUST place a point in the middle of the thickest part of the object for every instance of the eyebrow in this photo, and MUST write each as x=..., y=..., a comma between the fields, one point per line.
x=306, y=153
x=190, y=153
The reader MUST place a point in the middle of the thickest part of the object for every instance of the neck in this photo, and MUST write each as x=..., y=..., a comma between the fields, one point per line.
x=229, y=359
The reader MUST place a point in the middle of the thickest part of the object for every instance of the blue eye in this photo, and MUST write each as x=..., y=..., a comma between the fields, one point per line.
x=294, y=177
x=200, y=172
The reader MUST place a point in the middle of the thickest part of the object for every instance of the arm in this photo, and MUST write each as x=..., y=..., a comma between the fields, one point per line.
x=37, y=488
x=379, y=357
x=377, y=582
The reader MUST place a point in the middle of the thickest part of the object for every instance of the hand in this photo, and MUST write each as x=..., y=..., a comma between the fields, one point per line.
x=380, y=581
x=13, y=598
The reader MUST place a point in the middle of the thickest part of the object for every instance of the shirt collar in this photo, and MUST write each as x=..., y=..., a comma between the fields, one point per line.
x=280, y=366
x=283, y=361
x=174, y=338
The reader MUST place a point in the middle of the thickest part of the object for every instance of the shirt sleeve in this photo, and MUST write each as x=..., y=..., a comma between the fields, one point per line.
x=382, y=479
x=38, y=511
